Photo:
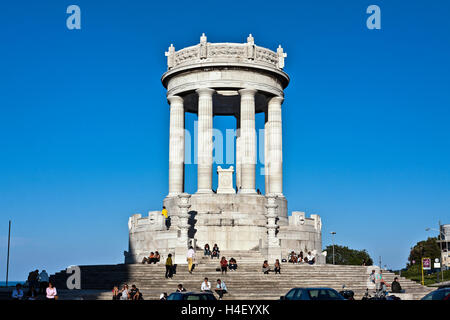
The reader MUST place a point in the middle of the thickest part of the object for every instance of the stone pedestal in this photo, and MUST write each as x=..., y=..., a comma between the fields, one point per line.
x=225, y=180
x=182, y=241
x=273, y=243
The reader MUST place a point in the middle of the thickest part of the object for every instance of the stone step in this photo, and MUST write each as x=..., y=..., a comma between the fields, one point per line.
x=150, y=279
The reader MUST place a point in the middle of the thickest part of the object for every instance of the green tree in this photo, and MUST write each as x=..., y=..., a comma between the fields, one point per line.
x=424, y=249
x=346, y=256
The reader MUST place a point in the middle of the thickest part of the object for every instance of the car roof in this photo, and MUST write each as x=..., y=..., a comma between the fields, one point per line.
x=192, y=292
x=444, y=286
x=313, y=288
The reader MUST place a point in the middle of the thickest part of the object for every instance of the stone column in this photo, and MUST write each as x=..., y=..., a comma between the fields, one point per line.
x=248, y=141
x=275, y=154
x=205, y=135
x=273, y=243
x=176, y=146
x=182, y=243
x=266, y=153
x=238, y=153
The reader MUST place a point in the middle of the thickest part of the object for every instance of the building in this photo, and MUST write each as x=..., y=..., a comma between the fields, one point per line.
x=236, y=80
x=444, y=243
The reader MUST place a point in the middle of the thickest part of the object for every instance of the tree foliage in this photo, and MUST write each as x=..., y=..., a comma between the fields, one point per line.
x=347, y=256
x=424, y=249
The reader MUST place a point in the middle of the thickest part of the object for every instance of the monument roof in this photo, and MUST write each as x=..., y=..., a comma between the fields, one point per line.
x=225, y=54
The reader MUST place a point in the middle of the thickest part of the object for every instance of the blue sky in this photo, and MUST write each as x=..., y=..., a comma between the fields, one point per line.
x=84, y=120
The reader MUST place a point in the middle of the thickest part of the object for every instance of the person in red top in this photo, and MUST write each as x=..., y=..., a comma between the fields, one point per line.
x=223, y=265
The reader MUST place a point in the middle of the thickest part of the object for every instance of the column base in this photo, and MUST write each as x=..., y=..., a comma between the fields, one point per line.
x=279, y=195
x=204, y=191
x=247, y=191
x=173, y=194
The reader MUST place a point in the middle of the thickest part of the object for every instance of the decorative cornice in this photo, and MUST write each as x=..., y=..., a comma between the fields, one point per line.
x=206, y=52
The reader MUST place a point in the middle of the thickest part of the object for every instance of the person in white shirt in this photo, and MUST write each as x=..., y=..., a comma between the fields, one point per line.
x=311, y=258
x=51, y=292
x=190, y=258
x=124, y=292
x=17, y=293
x=206, y=286
x=43, y=281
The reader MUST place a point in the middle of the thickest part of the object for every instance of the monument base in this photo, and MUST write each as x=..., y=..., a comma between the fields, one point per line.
x=234, y=221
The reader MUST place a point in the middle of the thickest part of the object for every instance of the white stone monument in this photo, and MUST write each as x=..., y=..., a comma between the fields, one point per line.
x=238, y=80
x=225, y=178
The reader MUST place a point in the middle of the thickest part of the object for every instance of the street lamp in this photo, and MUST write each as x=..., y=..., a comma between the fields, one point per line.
x=440, y=245
x=332, y=236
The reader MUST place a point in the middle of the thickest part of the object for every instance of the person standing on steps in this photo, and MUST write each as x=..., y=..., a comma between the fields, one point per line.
x=43, y=281
x=190, y=258
x=165, y=214
x=223, y=265
x=169, y=267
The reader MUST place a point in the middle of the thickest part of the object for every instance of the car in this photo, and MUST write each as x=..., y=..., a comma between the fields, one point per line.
x=192, y=296
x=444, y=286
x=312, y=294
x=439, y=294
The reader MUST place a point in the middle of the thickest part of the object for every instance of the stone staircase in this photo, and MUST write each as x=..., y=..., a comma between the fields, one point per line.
x=247, y=283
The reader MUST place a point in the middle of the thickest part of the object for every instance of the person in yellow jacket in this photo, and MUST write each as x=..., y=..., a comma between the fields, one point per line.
x=166, y=216
x=164, y=212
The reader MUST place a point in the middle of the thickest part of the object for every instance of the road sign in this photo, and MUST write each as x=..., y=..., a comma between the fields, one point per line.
x=436, y=265
x=426, y=264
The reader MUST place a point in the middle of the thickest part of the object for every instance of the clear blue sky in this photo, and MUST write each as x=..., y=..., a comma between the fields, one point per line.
x=84, y=120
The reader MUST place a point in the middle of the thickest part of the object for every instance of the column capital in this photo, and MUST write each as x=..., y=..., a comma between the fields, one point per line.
x=247, y=92
x=205, y=92
x=276, y=99
x=175, y=99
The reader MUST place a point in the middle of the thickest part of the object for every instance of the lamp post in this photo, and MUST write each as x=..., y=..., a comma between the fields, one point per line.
x=440, y=246
x=7, y=259
x=332, y=236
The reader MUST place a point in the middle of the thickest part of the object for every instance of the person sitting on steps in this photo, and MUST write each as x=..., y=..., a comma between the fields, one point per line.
x=207, y=250
x=156, y=258
x=206, y=286
x=310, y=258
x=277, y=267
x=221, y=288
x=396, y=287
x=266, y=267
x=180, y=288
x=300, y=257
x=232, y=265
x=292, y=257
x=215, y=251
x=149, y=258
